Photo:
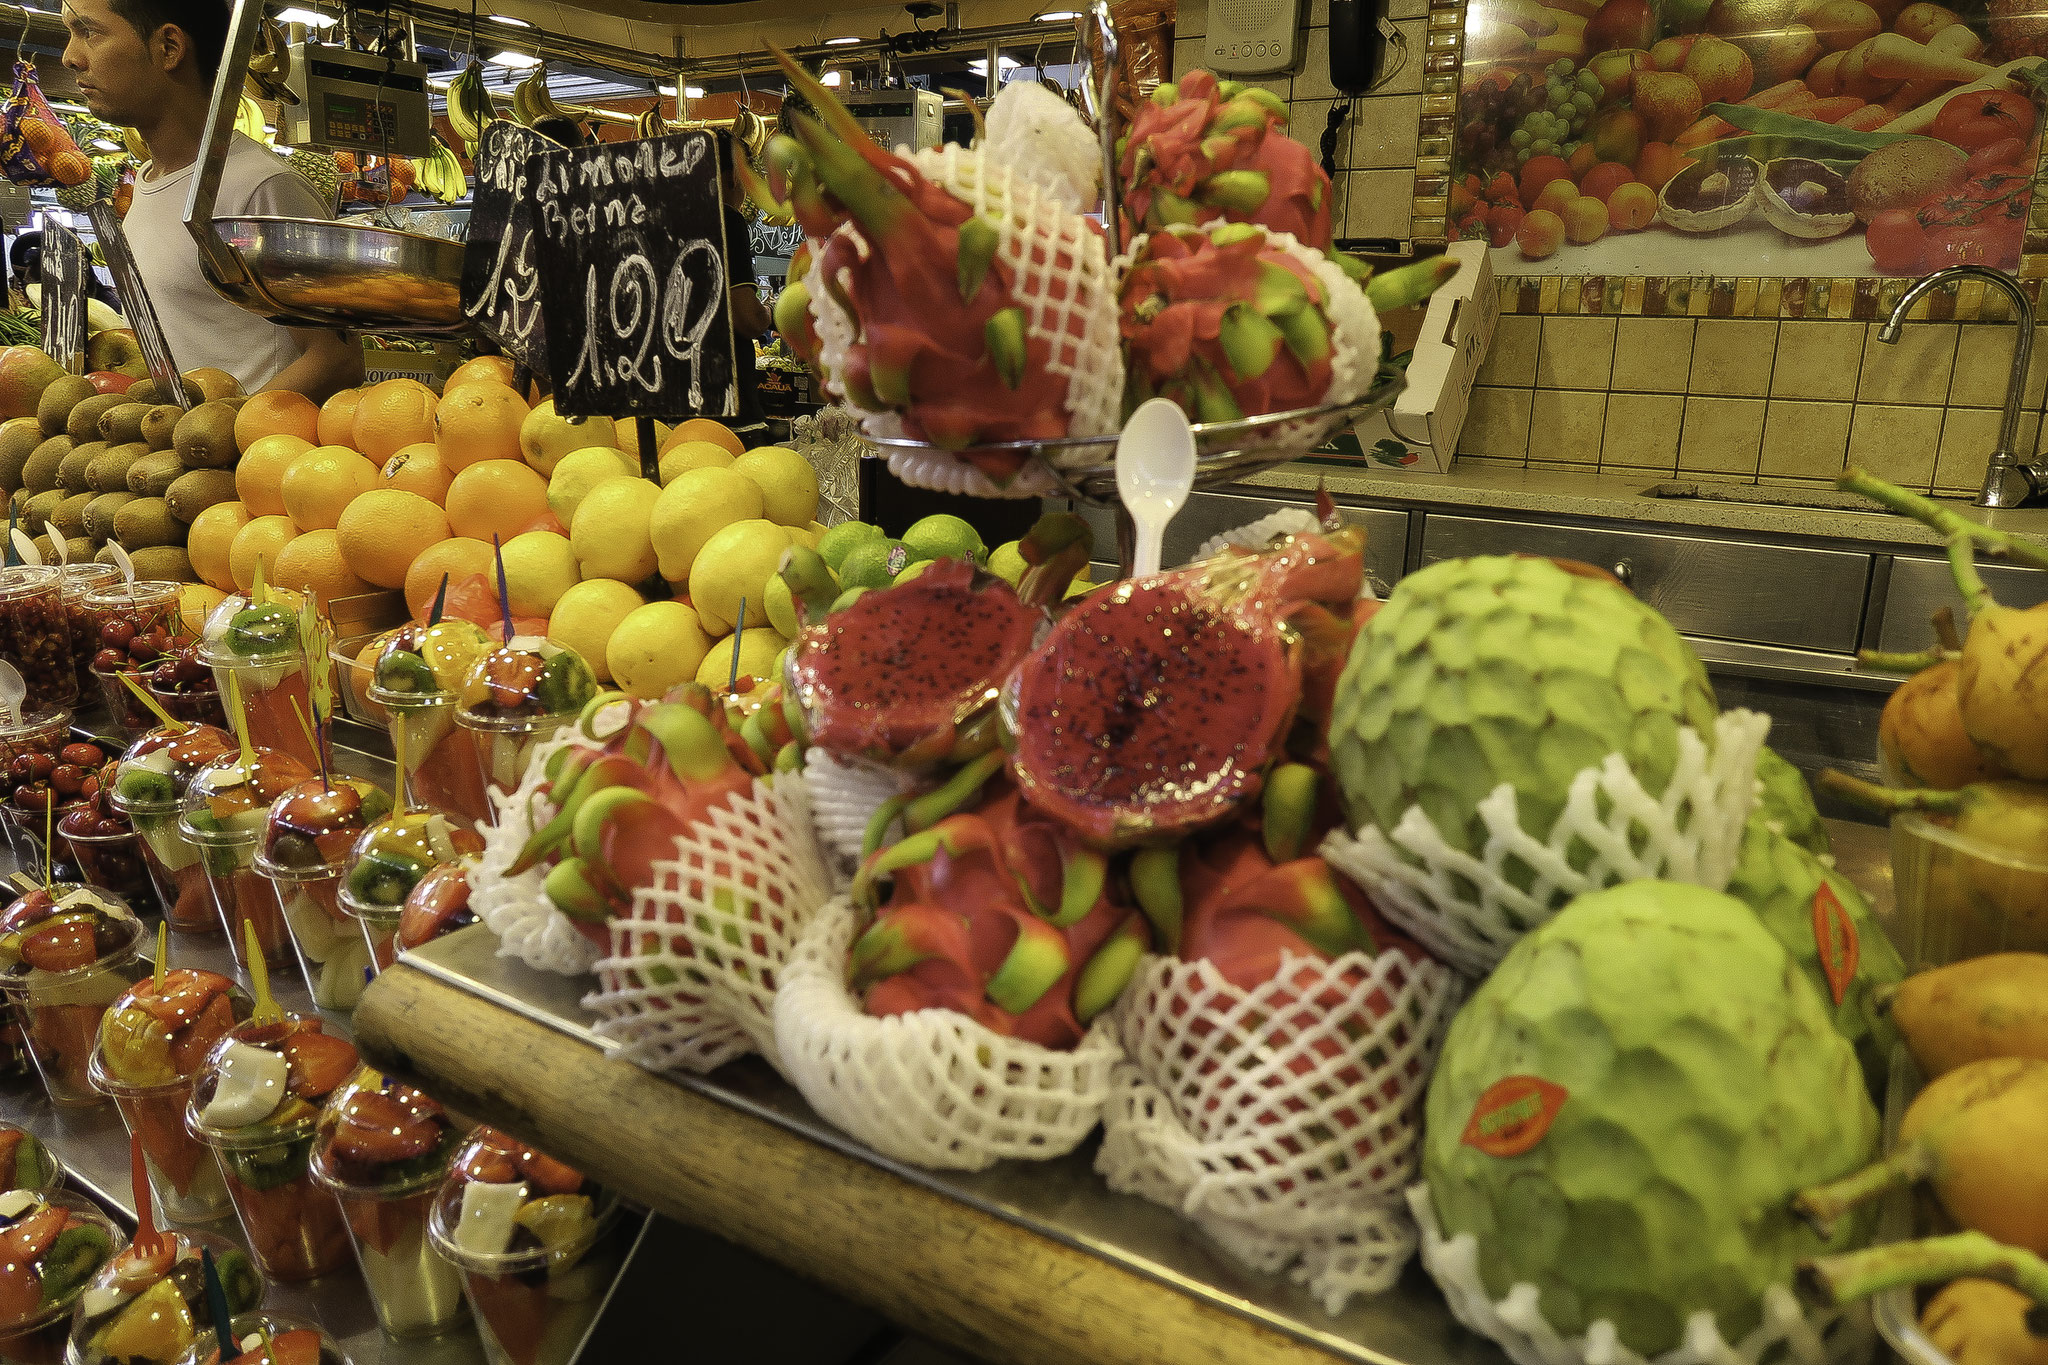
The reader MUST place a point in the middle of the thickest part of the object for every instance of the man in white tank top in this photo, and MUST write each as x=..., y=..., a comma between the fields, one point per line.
x=149, y=65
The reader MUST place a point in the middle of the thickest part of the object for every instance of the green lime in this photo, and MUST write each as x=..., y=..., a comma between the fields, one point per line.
x=943, y=536
x=1007, y=563
x=837, y=541
x=874, y=563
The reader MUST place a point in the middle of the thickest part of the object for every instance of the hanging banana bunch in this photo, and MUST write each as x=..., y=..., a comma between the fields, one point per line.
x=470, y=106
x=651, y=123
x=249, y=120
x=531, y=102
x=440, y=173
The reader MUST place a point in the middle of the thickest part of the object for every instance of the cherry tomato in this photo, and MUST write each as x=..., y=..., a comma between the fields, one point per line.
x=1986, y=243
x=2006, y=154
x=1978, y=118
x=1897, y=242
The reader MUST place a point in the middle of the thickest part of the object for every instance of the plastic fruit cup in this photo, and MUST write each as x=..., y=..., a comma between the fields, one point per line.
x=41, y=1173
x=43, y=731
x=415, y=1292
x=174, y=866
x=330, y=953
x=268, y=688
x=294, y=1225
x=1960, y=897
x=78, y=580
x=503, y=745
x=378, y=925
x=535, y=1307
x=40, y=1338
x=60, y=1015
x=443, y=764
x=35, y=634
x=197, y=706
x=182, y=1170
x=111, y=862
x=241, y=894
x=124, y=708
x=157, y=1332
x=25, y=830
x=298, y=1342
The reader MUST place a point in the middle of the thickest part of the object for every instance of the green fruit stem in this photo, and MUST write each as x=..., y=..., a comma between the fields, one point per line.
x=1961, y=534
x=1893, y=661
x=878, y=825
x=1857, y=1275
x=1888, y=800
x=1155, y=881
x=1409, y=284
x=927, y=810
x=1288, y=810
x=1824, y=1205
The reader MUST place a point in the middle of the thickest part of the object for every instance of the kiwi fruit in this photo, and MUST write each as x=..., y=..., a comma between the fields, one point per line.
x=39, y=474
x=84, y=423
x=146, y=522
x=69, y=515
x=194, y=492
x=162, y=564
x=46, y=550
x=153, y=473
x=122, y=423
x=205, y=438
x=17, y=503
x=99, y=514
x=108, y=472
x=159, y=424
x=144, y=391
x=37, y=514
x=73, y=1259
x=53, y=409
x=19, y=437
x=71, y=470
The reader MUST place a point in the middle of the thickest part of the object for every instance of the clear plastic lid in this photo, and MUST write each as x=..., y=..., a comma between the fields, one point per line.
x=65, y=927
x=532, y=1211
x=157, y=768
x=25, y=1163
x=312, y=827
x=228, y=802
x=379, y=1137
x=26, y=580
x=394, y=855
x=155, y=1036
x=428, y=664
x=239, y=632
x=80, y=579
x=51, y=1247
x=150, y=1306
x=525, y=681
x=438, y=904
x=293, y=1341
x=264, y=1084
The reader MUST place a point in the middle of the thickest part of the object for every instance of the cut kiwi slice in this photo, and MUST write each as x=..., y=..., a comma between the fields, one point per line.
x=74, y=1258
x=145, y=786
x=402, y=671
x=268, y=629
x=32, y=1167
x=268, y=1168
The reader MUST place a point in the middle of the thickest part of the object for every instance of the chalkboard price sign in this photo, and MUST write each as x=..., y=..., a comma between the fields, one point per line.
x=633, y=286
x=500, y=275
x=64, y=268
x=135, y=304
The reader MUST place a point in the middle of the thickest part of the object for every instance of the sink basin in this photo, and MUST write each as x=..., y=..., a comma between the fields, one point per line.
x=1758, y=495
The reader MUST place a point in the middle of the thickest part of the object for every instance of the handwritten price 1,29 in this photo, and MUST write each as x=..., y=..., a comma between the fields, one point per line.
x=650, y=319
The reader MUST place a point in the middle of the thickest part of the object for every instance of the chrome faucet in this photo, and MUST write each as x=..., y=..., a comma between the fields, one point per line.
x=2008, y=479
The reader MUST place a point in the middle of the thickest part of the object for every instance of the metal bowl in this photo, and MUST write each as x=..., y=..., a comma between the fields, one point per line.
x=309, y=273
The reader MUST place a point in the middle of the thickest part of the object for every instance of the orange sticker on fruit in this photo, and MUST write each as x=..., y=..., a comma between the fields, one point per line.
x=1834, y=934
x=1513, y=1115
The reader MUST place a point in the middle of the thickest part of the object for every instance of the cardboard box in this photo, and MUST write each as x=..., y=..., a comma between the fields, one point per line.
x=1420, y=432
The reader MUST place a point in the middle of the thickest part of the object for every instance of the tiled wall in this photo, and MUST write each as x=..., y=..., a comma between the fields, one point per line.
x=1751, y=401
x=1376, y=147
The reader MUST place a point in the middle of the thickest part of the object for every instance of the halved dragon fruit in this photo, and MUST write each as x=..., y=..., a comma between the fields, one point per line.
x=1233, y=321
x=1154, y=707
x=1207, y=151
x=951, y=300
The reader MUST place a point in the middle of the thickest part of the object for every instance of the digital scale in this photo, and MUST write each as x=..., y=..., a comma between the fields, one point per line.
x=355, y=102
x=898, y=118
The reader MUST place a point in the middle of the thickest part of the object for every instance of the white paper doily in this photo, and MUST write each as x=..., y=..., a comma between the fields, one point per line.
x=691, y=978
x=512, y=906
x=1465, y=911
x=1285, y=1121
x=1786, y=1336
x=933, y=1087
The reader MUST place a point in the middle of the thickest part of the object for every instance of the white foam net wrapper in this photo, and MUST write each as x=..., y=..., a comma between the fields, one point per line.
x=1464, y=909
x=932, y=1087
x=692, y=974
x=1284, y=1121
x=511, y=906
x=944, y=472
x=1253, y=535
x=845, y=794
x=1787, y=1335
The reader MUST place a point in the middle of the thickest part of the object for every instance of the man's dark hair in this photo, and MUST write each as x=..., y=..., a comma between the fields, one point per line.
x=205, y=22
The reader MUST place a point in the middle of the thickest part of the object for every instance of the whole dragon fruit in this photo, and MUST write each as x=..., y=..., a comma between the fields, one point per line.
x=1206, y=150
x=997, y=915
x=1234, y=321
x=949, y=300
x=1154, y=707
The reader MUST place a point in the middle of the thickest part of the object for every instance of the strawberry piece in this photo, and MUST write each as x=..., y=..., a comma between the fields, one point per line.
x=300, y=1346
x=62, y=947
x=319, y=1062
x=137, y=1268
x=30, y=1237
x=380, y=1129
x=548, y=1175
x=185, y=995
x=160, y=1122
x=10, y=1138
x=190, y=1044
x=21, y=1293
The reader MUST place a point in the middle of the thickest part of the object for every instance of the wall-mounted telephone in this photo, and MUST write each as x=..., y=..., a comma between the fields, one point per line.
x=1356, y=44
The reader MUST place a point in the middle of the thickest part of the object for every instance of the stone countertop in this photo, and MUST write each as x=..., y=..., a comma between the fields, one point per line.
x=1620, y=497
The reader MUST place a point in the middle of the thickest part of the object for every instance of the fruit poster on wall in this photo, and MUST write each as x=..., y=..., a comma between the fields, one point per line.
x=1812, y=138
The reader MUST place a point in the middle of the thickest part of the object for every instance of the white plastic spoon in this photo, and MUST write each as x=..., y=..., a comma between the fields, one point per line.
x=26, y=548
x=13, y=691
x=1155, y=472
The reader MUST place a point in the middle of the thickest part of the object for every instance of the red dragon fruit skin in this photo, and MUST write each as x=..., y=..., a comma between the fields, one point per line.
x=897, y=674
x=1201, y=157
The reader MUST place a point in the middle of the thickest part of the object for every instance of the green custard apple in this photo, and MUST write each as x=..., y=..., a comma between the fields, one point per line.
x=1782, y=882
x=1505, y=669
x=1784, y=799
x=1624, y=1110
